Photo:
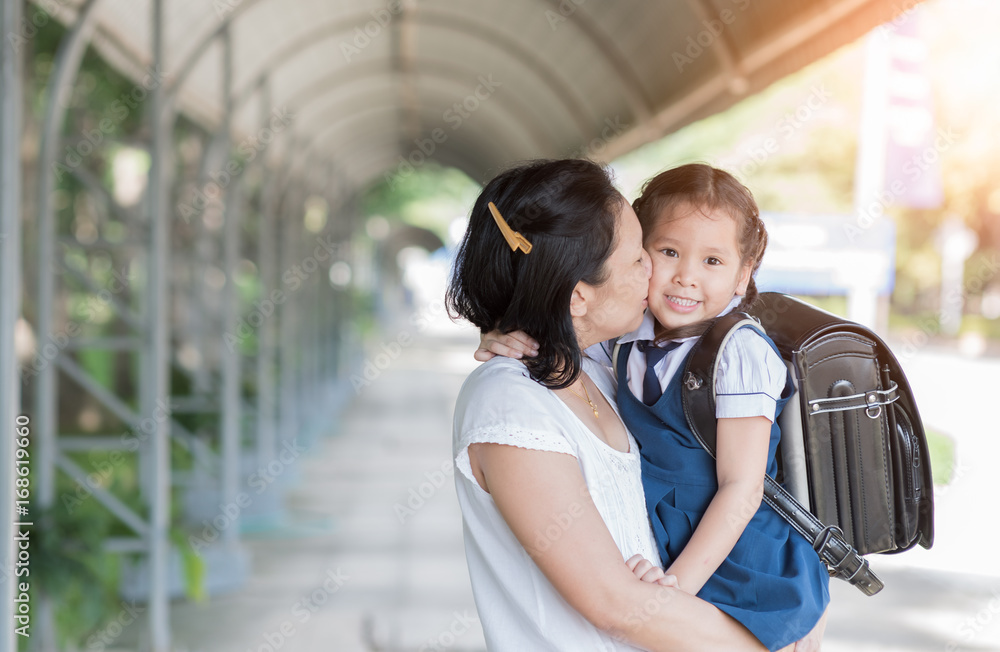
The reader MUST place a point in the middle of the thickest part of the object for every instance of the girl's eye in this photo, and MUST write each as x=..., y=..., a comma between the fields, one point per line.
x=712, y=260
x=669, y=252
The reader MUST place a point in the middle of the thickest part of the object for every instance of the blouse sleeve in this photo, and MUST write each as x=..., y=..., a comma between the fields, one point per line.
x=750, y=379
x=502, y=406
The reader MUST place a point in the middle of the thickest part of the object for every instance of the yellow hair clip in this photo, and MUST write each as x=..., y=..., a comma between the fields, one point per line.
x=513, y=238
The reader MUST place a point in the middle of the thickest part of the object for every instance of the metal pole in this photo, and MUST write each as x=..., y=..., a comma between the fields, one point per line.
x=202, y=314
x=303, y=399
x=310, y=310
x=266, y=445
x=288, y=323
x=60, y=86
x=155, y=377
x=296, y=329
x=311, y=318
x=326, y=297
x=10, y=307
x=869, y=171
x=322, y=319
x=231, y=401
x=341, y=226
x=318, y=308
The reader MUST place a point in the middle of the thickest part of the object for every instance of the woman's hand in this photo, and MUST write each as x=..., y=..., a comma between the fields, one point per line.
x=646, y=571
x=512, y=345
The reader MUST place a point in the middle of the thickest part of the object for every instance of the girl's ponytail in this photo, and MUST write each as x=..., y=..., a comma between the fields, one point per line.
x=753, y=242
x=749, y=298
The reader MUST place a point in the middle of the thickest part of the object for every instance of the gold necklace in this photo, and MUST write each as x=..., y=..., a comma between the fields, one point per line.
x=589, y=402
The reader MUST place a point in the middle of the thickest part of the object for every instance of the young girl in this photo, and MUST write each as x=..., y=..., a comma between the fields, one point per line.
x=703, y=232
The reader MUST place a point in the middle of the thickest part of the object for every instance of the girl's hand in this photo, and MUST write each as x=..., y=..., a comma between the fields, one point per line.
x=512, y=345
x=647, y=572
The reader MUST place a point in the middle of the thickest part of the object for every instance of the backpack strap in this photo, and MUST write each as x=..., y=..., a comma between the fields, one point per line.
x=614, y=358
x=699, y=374
x=698, y=398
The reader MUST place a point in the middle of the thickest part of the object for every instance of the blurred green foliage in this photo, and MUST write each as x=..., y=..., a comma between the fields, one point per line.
x=71, y=568
x=811, y=119
x=810, y=171
x=430, y=197
x=942, y=450
x=795, y=146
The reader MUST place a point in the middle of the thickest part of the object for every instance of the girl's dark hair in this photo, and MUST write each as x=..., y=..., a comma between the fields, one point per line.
x=567, y=209
x=707, y=188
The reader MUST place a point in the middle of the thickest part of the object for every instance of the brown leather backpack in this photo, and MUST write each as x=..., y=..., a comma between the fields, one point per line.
x=854, y=468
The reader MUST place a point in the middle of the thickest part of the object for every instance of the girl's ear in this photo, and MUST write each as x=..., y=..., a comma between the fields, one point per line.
x=745, y=273
x=583, y=294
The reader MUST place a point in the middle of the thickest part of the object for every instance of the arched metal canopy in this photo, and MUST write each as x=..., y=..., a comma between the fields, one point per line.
x=368, y=87
x=501, y=80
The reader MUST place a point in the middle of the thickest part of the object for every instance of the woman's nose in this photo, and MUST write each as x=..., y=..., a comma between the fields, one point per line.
x=647, y=264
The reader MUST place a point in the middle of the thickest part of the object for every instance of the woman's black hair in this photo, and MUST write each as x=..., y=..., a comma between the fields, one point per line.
x=567, y=209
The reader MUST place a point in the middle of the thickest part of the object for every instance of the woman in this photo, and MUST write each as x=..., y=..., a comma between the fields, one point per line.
x=549, y=479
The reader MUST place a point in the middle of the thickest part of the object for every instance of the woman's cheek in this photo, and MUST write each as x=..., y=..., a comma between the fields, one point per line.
x=642, y=284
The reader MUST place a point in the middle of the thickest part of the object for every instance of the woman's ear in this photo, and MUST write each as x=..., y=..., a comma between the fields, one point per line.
x=583, y=294
x=745, y=273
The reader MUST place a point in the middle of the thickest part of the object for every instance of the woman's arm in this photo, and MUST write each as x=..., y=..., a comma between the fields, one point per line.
x=544, y=499
x=741, y=462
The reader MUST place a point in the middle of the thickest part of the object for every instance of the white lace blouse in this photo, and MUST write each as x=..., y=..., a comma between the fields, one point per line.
x=518, y=607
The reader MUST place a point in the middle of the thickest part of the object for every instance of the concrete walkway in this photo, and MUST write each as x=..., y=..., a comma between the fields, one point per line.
x=371, y=557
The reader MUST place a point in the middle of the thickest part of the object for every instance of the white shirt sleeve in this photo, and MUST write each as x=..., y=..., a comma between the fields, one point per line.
x=750, y=379
x=500, y=404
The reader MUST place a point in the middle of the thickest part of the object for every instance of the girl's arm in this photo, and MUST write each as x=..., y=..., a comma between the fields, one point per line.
x=646, y=571
x=544, y=499
x=518, y=344
x=741, y=462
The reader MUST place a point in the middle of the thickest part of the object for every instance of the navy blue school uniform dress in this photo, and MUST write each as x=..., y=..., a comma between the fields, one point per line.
x=773, y=582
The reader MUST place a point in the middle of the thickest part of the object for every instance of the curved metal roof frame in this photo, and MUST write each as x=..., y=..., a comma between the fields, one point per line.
x=554, y=56
x=532, y=64
x=564, y=69
x=347, y=107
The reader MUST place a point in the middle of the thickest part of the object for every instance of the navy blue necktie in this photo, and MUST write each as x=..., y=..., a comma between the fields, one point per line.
x=651, y=391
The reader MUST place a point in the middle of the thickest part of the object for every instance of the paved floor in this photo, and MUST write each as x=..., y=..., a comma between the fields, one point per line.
x=370, y=556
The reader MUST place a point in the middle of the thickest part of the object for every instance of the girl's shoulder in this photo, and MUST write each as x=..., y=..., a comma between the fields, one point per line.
x=751, y=376
x=750, y=344
x=751, y=359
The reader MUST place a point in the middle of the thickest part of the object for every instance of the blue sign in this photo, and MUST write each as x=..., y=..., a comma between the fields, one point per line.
x=824, y=255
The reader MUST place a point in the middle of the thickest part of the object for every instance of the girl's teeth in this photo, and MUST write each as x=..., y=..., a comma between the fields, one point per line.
x=683, y=302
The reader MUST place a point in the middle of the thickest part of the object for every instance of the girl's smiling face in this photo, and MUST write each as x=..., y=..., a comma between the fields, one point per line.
x=697, y=268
